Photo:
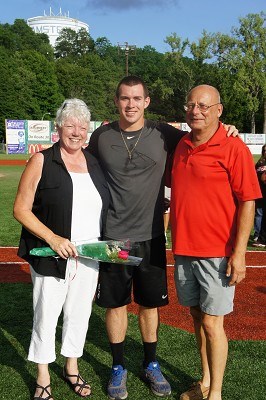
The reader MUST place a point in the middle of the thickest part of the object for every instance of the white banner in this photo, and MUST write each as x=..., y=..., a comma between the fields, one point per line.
x=39, y=131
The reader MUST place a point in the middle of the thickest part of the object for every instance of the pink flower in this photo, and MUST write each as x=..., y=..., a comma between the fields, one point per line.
x=123, y=254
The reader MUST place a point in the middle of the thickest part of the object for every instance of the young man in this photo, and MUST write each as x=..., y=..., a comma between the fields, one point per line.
x=133, y=154
x=210, y=229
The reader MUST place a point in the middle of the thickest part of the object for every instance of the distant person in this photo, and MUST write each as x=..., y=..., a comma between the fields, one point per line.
x=262, y=236
x=166, y=215
x=260, y=165
x=133, y=152
x=214, y=186
x=62, y=199
x=261, y=174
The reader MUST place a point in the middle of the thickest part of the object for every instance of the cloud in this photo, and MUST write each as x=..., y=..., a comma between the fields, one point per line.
x=122, y=5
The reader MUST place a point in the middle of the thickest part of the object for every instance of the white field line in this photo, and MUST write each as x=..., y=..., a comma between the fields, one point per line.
x=167, y=250
x=248, y=266
x=12, y=263
x=9, y=247
x=2, y=263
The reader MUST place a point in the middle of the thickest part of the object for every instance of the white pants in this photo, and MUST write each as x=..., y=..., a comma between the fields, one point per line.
x=75, y=296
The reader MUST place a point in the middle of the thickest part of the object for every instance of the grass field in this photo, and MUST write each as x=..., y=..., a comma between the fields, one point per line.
x=244, y=378
x=4, y=156
x=176, y=353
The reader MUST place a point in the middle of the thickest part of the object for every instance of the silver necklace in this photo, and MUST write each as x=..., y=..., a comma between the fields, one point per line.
x=130, y=152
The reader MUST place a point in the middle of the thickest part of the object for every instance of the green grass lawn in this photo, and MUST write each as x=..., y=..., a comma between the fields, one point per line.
x=176, y=353
x=244, y=377
x=4, y=156
x=10, y=228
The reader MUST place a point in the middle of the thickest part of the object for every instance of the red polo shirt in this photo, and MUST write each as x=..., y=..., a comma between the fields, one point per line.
x=207, y=183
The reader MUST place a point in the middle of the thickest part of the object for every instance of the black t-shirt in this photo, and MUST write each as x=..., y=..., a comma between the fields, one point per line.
x=136, y=185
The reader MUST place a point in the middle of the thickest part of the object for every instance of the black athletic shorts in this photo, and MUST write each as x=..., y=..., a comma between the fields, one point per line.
x=149, y=278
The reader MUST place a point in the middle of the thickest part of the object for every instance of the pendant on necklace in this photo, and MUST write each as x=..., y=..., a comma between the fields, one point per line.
x=130, y=152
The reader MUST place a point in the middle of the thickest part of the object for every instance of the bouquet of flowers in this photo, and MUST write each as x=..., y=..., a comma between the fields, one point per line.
x=111, y=251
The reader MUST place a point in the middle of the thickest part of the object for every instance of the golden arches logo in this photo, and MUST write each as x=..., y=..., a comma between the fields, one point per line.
x=34, y=148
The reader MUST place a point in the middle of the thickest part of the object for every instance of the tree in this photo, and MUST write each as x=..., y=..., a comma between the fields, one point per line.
x=243, y=54
x=17, y=97
x=102, y=45
x=44, y=86
x=180, y=75
x=20, y=36
x=73, y=44
x=205, y=70
x=202, y=51
x=93, y=79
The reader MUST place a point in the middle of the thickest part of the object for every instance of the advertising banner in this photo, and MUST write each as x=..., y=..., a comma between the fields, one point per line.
x=39, y=131
x=15, y=136
x=183, y=126
x=54, y=137
x=35, y=147
x=254, y=141
x=254, y=138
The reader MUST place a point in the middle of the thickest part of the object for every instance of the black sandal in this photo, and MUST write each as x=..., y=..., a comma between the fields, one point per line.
x=80, y=386
x=44, y=389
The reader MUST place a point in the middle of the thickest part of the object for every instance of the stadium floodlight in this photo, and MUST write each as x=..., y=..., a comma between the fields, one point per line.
x=127, y=49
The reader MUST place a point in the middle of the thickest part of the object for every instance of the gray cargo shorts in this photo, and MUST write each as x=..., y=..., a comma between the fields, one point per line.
x=203, y=282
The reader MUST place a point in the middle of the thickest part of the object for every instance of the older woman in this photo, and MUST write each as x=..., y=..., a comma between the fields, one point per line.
x=62, y=201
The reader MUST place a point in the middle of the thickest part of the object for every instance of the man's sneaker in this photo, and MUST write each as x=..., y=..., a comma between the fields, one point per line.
x=258, y=244
x=158, y=384
x=196, y=392
x=117, y=385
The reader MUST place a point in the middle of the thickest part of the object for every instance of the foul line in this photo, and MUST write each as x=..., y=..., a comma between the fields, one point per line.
x=248, y=251
x=8, y=247
x=2, y=263
x=247, y=266
x=12, y=263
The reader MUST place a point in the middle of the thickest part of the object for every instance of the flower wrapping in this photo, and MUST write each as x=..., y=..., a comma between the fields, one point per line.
x=111, y=251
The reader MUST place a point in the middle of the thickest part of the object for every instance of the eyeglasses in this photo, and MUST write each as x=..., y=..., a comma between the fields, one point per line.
x=201, y=107
x=67, y=103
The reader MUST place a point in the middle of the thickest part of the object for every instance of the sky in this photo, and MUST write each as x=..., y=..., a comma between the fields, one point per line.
x=141, y=22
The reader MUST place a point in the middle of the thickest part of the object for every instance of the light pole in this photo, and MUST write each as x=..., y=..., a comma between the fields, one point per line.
x=127, y=48
x=46, y=113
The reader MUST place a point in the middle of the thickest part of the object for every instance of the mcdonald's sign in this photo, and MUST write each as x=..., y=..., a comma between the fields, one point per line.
x=35, y=147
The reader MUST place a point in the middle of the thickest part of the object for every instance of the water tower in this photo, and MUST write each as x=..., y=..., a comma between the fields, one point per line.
x=52, y=24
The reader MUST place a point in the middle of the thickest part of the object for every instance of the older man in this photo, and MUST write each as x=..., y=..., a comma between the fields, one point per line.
x=214, y=185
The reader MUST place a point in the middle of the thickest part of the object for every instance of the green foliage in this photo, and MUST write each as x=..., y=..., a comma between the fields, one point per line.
x=45, y=88
x=202, y=51
x=102, y=45
x=73, y=44
x=20, y=36
x=243, y=54
x=35, y=78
